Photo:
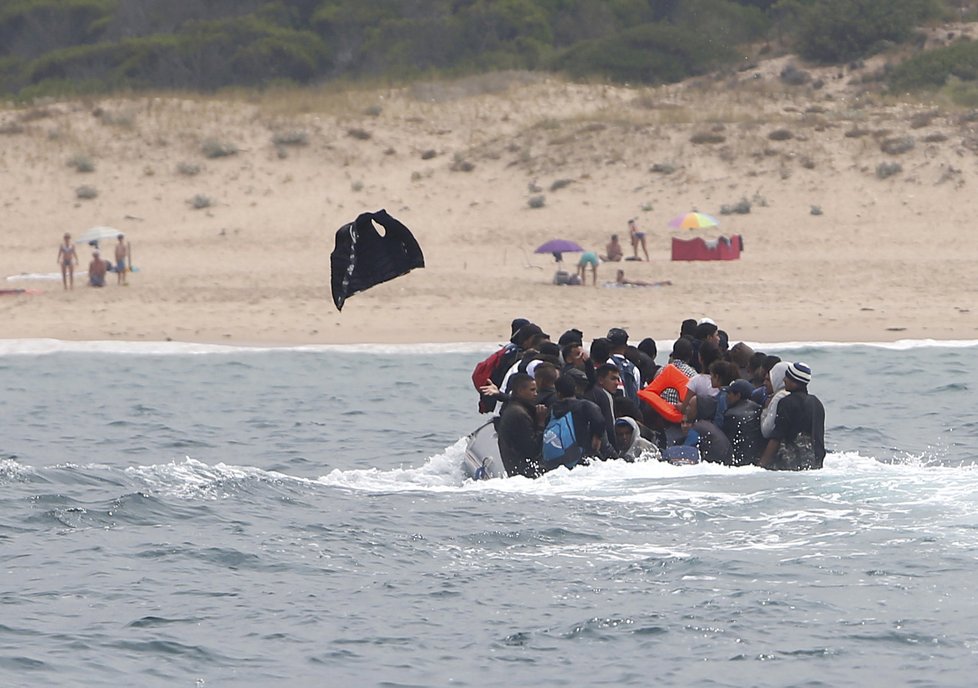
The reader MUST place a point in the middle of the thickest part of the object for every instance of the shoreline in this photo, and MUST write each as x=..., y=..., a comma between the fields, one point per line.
x=33, y=347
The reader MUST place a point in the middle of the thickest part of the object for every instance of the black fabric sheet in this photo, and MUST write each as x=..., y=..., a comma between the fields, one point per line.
x=363, y=258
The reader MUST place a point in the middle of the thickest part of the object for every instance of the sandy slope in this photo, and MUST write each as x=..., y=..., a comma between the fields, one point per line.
x=887, y=259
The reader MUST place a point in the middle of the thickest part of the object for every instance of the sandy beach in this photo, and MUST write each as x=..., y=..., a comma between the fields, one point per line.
x=834, y=248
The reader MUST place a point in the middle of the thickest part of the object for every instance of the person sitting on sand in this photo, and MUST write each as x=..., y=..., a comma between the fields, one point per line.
x=588, y=258
x=638, y=238
x=613, y=251
x=67, y=259
x=96, y=270
x=122, y=252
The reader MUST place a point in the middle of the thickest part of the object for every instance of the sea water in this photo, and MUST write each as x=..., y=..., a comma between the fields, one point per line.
x=206, y=516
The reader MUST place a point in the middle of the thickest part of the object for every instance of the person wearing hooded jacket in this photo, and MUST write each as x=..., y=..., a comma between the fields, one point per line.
x=776, y=392
x=633, y=445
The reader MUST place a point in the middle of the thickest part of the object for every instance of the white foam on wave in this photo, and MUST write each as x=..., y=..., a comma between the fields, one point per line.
x=12, y=471
x=192, y=479
x=34, y=347
x=701, y=485
x=439, y=473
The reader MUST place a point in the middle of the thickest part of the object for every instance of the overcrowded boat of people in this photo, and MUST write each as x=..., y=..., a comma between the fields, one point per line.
x=562, y=404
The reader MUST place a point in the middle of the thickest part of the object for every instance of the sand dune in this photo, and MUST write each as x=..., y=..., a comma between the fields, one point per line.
x=889, y=257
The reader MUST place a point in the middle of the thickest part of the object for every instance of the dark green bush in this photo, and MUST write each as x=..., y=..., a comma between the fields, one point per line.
x=653, y=53
x=841, y=30
x=932, y=69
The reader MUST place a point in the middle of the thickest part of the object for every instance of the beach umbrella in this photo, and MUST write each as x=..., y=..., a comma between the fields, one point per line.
x=693, y=220
x=98, y=234
x=559, y=246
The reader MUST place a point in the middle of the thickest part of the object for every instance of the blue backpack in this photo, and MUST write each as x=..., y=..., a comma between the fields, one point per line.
x=560, y=442
x=626, y=370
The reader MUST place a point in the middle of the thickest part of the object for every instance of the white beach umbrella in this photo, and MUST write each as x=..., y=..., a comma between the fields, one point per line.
x=98, y=234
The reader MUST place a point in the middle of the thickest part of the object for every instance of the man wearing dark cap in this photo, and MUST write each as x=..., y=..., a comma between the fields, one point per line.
x=489, y=373
x=798, y=440
x=516, y=326
x=742, y=424
x=631, y=379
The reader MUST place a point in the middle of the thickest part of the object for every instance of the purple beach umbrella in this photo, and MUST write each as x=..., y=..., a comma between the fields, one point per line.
x=559, y=246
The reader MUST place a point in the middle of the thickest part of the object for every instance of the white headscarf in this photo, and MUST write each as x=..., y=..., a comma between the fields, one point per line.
x=770, y=412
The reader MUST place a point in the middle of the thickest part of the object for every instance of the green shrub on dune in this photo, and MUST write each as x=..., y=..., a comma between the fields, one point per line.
x=934, y=68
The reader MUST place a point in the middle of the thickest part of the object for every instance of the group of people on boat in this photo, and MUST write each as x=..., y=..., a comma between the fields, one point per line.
x=562, y=404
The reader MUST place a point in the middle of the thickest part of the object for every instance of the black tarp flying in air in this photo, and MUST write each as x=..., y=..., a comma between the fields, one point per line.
x=363, y=258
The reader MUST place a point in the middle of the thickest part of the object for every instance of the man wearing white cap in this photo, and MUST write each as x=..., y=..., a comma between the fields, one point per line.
x=798, y=440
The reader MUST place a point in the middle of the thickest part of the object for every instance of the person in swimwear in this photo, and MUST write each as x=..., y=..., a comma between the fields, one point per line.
x=620, y=279
x=96, y=270
x=637, y=238
x=588, y=258
x=613, y=251
x=121, y=258
x=67, y=259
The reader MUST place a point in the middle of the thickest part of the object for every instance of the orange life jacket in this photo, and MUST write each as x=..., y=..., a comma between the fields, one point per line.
x=671, y=377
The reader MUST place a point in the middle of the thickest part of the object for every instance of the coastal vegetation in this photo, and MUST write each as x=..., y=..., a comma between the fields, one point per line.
x=96, y=46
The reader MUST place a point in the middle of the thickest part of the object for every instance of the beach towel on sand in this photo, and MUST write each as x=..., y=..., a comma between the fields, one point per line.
x=363, y=258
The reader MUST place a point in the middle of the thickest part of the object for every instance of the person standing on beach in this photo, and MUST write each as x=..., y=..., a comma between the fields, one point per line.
x=637, y=239
x=588, y=258
x=67, y=259
x=122, y=257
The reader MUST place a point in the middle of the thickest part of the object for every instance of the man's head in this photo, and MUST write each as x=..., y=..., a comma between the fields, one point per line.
x=741, y=354
x=707, y=332
x=609, y=378
x=121, y=237
x=647, y=346
x=722, y=373
x=797, y=376
x=738, y=391
x=688, y=328
x=579, y=377
x=571, y=336
x=67, y=236
x=523, y=387
x=614, y=238
x=623, y=432
x=682, y=350
x=566, y=388
x=518, y=324
x=545, y=375
x=573, y=354
x=708, y=353
x=618, y=339
x=530, y=336
x=600, y=350
x=95, y=254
